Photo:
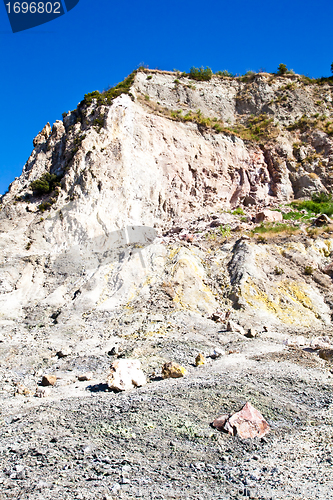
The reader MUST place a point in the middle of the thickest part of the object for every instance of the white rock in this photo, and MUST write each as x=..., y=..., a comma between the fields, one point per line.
x=217, y=353
x=126, y=374
x=43, y=392
x=235, y=328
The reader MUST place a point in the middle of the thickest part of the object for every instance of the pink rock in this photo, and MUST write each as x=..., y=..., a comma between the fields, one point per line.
x=269, y=216
x=247, y=423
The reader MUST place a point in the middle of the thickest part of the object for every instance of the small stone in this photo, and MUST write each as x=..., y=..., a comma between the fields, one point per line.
x=64, y=352
x=126, y=374
x=49, y=380
x=326, y=354
x=235, y=328
x=217, y=317
x=217, y=353
x=21, y=390
x=42, y=392
x=269, y=216
x=113, y=351
x=251, y=333
x=85, y=376
x=173, y=370
x=200, y=360
x=220, y=422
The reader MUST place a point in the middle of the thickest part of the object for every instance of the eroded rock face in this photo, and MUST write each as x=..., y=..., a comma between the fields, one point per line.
x=141, y=169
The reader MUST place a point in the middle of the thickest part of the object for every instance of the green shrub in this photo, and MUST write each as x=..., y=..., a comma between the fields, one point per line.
x=108, y=95
x=200, y=74
x=321, y=203
x=149, y=77
x=308, y=270
x=238, y=211
x=278, y=271
x=45, y=184
x=282, y=69
x=46, y=205
x=224, y=73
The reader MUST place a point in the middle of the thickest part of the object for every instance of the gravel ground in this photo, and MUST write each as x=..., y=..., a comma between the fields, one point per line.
x=156, y=441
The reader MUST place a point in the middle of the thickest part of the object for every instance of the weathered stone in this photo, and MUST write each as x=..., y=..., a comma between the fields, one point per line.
x=173, y=370
x=322, y=220
x=49, y=380
x=43, y=135
x=85, y=376
x=65, y=351
x=247, y=423
x=218, y=317
x=217, y=353
x=326, y=354
x=269, y=216
x=251, y=333
x=235, y=328
x=200, y=360
x=42, y=392
x=220, y=422
x=21, y=390
x=125, y=374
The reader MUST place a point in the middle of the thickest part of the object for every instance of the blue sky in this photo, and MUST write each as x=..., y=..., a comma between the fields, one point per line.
x=47, y=70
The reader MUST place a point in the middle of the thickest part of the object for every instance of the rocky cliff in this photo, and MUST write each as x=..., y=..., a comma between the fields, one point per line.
x=160, y=157
x=153, y=227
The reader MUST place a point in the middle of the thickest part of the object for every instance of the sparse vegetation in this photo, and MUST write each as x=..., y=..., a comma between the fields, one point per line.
x=320, y=203
x=238, y=211
x=225, y=231
x=274, y=228
x=278, y=271
x=46, y=205
x=308, y=270
x=200, y=74
x=111, y=93
x=45, y=184
x=224, y=73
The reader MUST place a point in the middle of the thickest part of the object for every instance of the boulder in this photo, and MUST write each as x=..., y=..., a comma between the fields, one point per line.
x=173, y=370
x=251, y=333
x=125, y=374
x=269, y=216
x=247, y=423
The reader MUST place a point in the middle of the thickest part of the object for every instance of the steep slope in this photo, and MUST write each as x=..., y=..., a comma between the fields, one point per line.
x=129, y=165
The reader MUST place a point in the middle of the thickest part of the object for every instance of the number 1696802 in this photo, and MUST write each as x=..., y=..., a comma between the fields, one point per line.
x=33, y=7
